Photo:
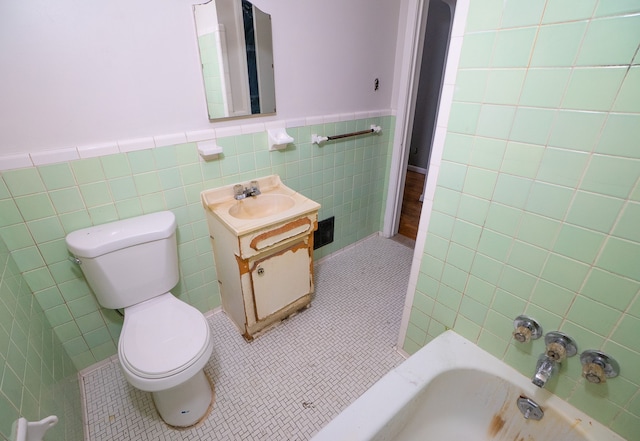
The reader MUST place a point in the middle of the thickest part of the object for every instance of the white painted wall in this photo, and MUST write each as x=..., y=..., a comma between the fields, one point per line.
x=77, y=72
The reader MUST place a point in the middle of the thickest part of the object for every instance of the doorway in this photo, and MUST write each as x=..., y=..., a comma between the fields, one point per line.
x=434, y=55
x=412, y=51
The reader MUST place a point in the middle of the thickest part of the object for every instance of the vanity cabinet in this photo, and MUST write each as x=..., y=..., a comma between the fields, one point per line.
x=265, y=271
x=280, y=279
x=264, y=276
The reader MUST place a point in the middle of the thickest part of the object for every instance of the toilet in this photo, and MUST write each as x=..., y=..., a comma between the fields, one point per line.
x=164, y=343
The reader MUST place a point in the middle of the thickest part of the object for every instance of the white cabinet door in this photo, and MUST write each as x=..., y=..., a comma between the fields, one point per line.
x=281, y=279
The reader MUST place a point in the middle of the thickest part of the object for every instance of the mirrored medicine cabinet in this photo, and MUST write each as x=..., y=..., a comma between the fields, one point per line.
x=236, y=54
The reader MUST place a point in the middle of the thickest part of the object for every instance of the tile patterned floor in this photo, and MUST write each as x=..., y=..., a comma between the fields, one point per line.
x=294, y=379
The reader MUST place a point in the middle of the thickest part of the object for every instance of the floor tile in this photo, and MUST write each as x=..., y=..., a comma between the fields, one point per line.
x=291, y=381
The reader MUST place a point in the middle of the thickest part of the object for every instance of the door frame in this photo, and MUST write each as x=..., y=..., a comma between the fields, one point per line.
x=410, y=72
x=408, y=87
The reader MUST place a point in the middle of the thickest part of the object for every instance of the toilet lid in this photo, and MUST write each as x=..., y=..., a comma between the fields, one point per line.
x=162, y=336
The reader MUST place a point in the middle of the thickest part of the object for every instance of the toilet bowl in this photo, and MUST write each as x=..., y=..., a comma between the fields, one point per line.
x=164, y=342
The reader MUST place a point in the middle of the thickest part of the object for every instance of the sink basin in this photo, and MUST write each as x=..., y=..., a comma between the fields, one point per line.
x=261, y=206
x=276, y=204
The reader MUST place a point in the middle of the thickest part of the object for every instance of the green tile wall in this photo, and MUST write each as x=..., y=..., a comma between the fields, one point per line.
x=537, y=207
x=40, y=205
x=37, y=377
x=211, y=74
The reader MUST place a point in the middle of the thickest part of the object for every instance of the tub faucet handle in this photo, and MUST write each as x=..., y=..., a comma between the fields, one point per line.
x=556, y=351
x=594, y=373
x=526, y=329
x=560, y=346
x=598, y=366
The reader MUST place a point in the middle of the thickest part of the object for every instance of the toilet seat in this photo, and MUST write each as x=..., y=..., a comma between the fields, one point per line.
x=162, y=337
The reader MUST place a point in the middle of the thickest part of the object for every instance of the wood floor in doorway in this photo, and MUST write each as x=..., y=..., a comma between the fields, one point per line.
x=411, y=205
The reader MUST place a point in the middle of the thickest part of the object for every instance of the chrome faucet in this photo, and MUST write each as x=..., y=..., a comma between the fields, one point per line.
x=545, y=368
x=558, y=347
x=240, y=192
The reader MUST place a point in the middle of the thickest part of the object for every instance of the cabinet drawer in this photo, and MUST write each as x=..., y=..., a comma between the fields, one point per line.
x=277, y=235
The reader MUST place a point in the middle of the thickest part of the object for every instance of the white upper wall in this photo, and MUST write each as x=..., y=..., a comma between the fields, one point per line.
x=77, y=72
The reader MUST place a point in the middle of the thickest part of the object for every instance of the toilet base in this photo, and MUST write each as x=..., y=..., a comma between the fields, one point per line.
x=186, y=404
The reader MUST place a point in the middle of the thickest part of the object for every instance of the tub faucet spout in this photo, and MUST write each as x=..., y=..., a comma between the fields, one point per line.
x=545, y=368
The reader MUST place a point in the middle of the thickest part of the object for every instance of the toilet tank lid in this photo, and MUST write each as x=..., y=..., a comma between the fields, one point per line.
x=102, y=239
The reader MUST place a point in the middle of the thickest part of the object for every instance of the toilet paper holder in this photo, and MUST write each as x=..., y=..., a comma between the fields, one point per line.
x=23, y=430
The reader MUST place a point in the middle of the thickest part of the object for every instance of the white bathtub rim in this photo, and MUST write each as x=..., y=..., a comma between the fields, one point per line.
x=370, y=417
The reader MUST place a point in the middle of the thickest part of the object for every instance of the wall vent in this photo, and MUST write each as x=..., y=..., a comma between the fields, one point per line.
x=324, y=234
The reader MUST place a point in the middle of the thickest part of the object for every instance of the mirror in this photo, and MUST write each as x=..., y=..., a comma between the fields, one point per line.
x=236, y=53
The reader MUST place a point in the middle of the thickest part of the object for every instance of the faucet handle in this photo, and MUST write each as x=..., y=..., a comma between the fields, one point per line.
x=598, y=366
x=560, y=346
x=594, y=373
x=556, y=351
x=526, y=329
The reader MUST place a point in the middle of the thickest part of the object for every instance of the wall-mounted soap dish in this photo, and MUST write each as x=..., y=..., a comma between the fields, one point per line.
x=208, y=149
x=278, y=139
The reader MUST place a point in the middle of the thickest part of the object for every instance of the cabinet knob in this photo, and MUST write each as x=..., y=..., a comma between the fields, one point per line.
x=260, y=271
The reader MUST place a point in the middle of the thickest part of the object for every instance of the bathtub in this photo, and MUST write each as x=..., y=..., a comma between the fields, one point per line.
x=452, y=390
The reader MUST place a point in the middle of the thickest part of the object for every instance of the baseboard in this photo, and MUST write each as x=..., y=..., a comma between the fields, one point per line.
x=413, y=168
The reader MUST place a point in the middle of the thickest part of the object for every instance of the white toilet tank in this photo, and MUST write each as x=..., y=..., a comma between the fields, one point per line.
x=128, y=261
